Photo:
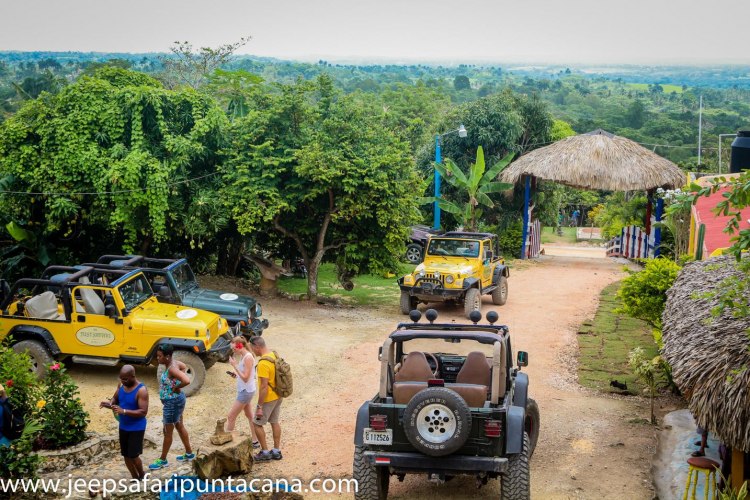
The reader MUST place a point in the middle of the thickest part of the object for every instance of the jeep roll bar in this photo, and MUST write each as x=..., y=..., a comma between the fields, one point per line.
x=33, y=283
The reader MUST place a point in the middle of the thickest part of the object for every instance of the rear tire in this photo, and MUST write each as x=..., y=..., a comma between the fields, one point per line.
x=414, y=253
x=40, y=356
x=500, y=294
x=515, y=483
x=472, y=301
x=408, y=303
x=531, y=426
x=372, y=481
x=196, y=371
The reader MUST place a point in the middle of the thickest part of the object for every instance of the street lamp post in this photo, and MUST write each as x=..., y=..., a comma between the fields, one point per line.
x=438, y=159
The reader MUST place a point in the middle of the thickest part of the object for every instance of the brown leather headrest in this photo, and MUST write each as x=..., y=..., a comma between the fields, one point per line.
x=476, y=370
x=415, y=368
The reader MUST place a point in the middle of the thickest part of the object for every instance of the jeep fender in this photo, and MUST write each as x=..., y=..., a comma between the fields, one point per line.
x=471, y=283
x=363, y=420
x=32, y=332
x=179, y=344
x=516, y=419
x=500, y=270
x=521, y=389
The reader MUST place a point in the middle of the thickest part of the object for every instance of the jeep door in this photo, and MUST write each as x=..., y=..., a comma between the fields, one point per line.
x=93, y=332
x=486, y=263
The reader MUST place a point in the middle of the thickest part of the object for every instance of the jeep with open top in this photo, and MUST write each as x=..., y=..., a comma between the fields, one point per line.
x=174, y=282
x=462, y=409
x=458, y=267
x=99, y=317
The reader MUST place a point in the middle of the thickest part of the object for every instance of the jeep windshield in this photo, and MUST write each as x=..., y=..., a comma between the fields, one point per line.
x=135, y=292
x=453, y=248
x=184, y=278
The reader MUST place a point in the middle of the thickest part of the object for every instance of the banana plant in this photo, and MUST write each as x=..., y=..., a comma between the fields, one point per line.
x=475, y=187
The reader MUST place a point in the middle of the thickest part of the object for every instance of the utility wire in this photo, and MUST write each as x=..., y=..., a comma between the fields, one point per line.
x=101, y=193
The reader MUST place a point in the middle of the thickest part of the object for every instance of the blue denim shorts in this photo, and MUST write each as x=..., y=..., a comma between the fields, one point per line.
x=173, y=409
x=244, y=397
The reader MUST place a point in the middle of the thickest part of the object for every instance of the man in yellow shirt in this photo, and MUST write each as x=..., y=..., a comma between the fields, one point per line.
x=269, y=403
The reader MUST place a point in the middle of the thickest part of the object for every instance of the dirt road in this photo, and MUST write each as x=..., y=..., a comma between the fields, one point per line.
x=591, y=446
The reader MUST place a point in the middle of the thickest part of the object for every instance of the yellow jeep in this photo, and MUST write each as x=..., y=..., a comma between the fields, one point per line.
x=104, y=318
x=458, y=267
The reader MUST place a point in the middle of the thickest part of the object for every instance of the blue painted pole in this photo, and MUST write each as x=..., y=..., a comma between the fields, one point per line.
x=436, y=212
x=526, y=196
x=657, y=229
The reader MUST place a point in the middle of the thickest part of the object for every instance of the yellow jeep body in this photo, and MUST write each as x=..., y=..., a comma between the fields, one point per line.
x=108, y=323
x=459, y=267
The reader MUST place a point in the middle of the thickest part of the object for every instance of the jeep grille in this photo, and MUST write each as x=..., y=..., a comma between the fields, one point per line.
x=430, y=278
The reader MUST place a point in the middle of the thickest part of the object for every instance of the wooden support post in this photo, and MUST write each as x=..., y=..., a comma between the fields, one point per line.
x=526, y=196
x=738, y=469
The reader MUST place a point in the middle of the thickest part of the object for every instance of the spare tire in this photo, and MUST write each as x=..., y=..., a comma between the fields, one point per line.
x=437, y=421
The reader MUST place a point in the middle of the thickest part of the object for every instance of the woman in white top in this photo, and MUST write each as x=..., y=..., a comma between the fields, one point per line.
x=243, y=363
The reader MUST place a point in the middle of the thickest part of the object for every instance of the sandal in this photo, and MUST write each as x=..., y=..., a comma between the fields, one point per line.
x=256, y=444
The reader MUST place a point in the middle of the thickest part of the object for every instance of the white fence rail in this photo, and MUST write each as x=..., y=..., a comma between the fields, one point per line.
x=633, y=243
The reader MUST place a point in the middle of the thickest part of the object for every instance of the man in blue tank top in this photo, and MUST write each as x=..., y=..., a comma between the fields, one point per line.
x=130, y=404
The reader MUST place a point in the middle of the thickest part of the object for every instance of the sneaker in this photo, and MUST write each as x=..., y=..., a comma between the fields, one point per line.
x=158, y=464
x=276, y=454
x=186, y=457
x=263, y=456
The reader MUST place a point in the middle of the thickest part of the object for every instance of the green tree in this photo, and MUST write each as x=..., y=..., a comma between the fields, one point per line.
x=317, y=169
x=475, y=188
x=461, y=82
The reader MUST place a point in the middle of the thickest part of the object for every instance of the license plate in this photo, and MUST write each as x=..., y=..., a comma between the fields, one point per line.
x=378, y=437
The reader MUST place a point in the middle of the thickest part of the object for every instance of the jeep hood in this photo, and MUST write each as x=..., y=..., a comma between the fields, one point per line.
x=444, y=268
x=173, y=321
x=221, y=303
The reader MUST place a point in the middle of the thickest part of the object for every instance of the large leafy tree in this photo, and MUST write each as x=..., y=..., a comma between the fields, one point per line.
x=117, y=162
x=474, y=187
x=320, y=171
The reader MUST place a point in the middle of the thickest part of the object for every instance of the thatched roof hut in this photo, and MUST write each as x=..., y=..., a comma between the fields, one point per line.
x=710, y=356
x=597, y=160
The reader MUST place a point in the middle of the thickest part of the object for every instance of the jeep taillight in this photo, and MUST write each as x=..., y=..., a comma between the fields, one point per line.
x=492, y=428
x=378, y=422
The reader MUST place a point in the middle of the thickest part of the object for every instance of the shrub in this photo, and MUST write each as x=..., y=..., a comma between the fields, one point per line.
x=509, y=239
x=18, y=461
x=61, y=412
x=643, y=294
x=20, y=383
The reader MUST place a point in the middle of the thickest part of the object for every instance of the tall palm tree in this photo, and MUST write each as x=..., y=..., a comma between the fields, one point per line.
x=475, y=188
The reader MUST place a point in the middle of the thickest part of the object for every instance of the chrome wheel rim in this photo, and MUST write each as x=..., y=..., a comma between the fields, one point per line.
x=436, y=423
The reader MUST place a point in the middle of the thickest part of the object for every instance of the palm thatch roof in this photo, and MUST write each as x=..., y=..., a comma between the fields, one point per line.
x=710, y=356
x=597, y=160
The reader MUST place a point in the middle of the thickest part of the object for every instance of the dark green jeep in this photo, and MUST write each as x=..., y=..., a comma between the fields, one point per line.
x=174, y=282
x=444, y=414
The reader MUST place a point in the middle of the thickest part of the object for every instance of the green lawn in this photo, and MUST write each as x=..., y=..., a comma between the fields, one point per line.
x=604, y=344
x=549, y=235
x=369, y=290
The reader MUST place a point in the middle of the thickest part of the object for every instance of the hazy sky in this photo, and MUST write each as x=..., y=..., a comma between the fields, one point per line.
x=551, y=31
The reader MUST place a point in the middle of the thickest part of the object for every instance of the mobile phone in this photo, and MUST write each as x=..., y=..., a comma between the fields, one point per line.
x=231, y=374
x=107, y=404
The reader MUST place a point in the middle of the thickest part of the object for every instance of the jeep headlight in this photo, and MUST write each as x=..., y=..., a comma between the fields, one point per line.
x=421, y=273
x=449, y=279
x=208, y=334
x=258, y=311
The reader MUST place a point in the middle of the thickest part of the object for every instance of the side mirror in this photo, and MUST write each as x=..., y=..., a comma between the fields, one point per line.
x=380, y=353
x=165, y=292
x=523, y=358
x=110, y=311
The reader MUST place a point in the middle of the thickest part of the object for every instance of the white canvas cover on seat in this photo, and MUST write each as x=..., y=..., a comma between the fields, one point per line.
x=43, y=306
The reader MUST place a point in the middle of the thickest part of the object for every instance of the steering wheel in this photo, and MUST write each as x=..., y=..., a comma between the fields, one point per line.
x=434, y=360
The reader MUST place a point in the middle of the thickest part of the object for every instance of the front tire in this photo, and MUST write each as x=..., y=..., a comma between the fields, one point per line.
x=500, y=294
x=372, y=481
x=472, y=301
x=531, y=425
x=408, y=303
x=414, y=253
x=515, y=483
x=196, y=371
x=39, y=354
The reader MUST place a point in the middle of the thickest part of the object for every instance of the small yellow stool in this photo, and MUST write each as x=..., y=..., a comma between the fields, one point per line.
x=699, y=465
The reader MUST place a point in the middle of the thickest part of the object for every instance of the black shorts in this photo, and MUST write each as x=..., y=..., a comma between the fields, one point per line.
x=131, y=443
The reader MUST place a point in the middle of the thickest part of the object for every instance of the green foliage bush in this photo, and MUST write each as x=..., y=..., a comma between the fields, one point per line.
x=617, y=212
x=16, y=376
x=18, y=460
x=509, y=239
x=644, y=293
x=61, y=412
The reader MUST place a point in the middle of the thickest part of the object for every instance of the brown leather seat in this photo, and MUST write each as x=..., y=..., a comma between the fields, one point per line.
x=476, y=370
x=411, y=378
x=475, y=395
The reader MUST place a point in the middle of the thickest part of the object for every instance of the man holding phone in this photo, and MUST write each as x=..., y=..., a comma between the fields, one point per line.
x=130, y=403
